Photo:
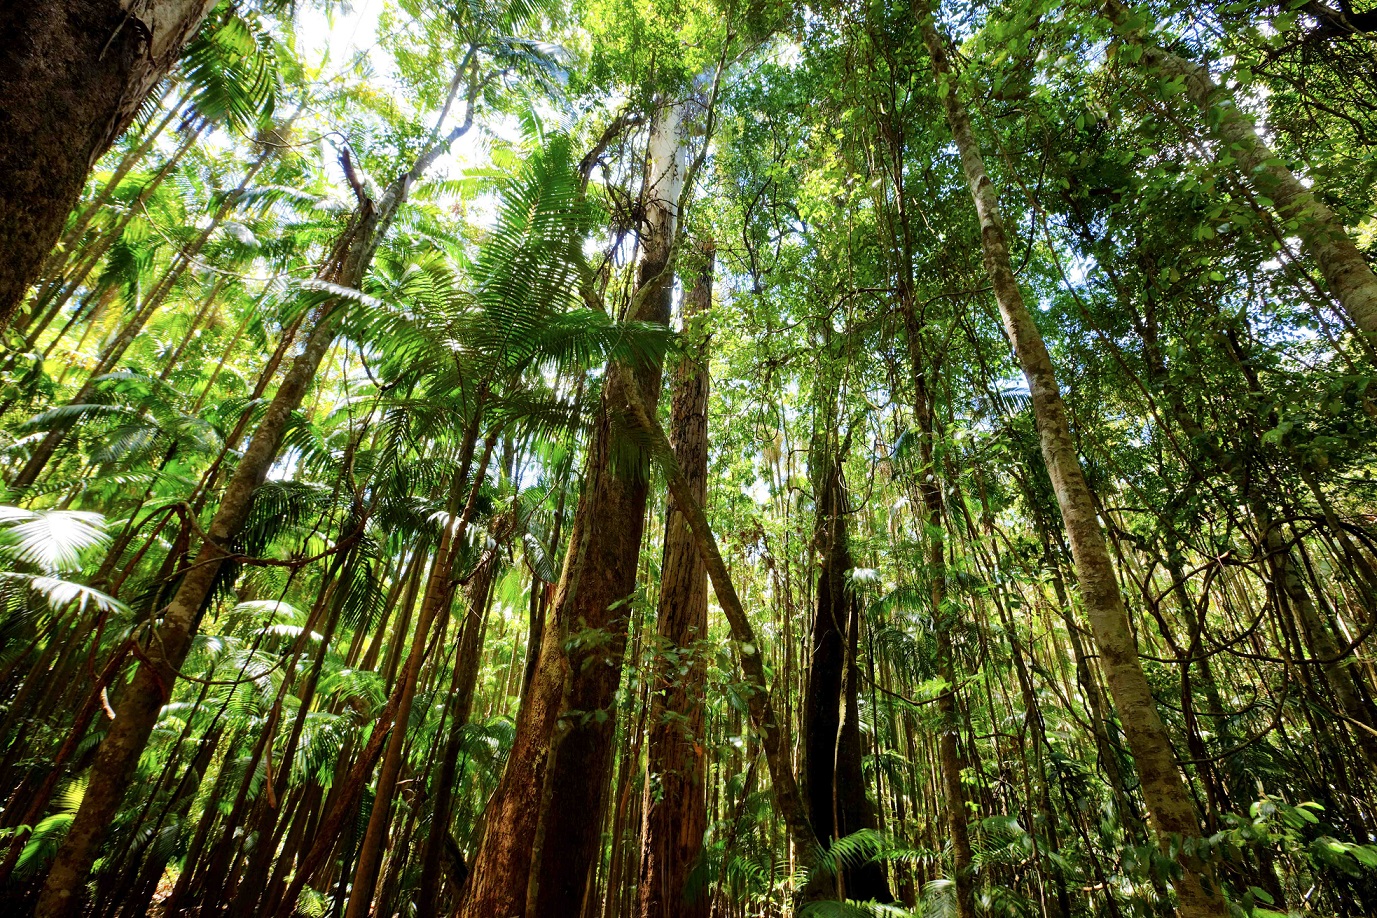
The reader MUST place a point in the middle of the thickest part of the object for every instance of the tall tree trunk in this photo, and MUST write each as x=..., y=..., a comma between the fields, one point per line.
x=48, y=446
x=118, y=756
x=138, y=709
x=462, y=692
x=934, y=505
x=53, y=273
x=676, y=791
x=834, y=782
x=73, y=74
x=557, y=772
x=783, y=782
x=1169, y=804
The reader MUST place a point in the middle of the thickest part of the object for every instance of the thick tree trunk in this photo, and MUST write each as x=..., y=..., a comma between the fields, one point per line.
x=783, y=782
x=1169, y=803
x=557, y=772
x=676, y=791
x=833, y=778
x=73, y=74
x=1346, y=271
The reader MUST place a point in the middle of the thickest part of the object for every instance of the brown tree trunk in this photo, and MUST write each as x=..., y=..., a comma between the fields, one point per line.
x=557, y=772
x=676, y=796
x=1169, y=804
x=48, y=446
x=934, y=505
x=73, y=74
x=438, y=593
x=139, y=705
x=118, y=756
x=784, y=784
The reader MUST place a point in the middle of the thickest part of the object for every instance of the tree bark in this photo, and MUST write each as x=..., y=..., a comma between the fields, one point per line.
x=138, y=709
x=438, y=593
x=783, y=782
x=833, y=778
x=73, y=74
x=118, y=756
x=934, y=505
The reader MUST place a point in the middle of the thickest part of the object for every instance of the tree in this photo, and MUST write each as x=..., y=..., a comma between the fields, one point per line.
x=1173, y=813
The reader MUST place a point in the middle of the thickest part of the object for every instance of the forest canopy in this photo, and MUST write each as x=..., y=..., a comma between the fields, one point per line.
x=649, y=458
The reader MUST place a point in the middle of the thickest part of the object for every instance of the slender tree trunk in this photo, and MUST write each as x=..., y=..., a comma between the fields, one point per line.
x=118, y=756
x=332, y=825
x=73, y=74
x=463, y=684
x=1169, y=804
x=676, y=798
x=48, y=446
x=138, y=710
x=438, y=593
x=934, y=505
x=58, y=258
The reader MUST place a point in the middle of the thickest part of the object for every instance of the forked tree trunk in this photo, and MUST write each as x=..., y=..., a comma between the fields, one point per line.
x=73, y=74
x=558, y=769
x=676, y=790
x=1169, y=804
x=1345, y=270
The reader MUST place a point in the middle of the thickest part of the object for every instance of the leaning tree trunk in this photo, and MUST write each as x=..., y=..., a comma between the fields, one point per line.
x=557, y=771
x=793, y=810
x=1345, y=270
x=1169, y=804
x=118, y=756
x=48, y=446
x=438, y=593
x=676, y=806
x=73, y=74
